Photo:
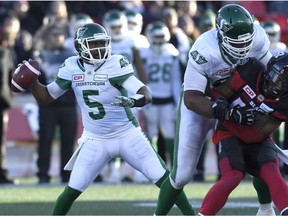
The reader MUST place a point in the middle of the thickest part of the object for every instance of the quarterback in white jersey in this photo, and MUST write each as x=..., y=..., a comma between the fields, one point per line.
x=101, y=83
x=211, y=59
x=161, y=62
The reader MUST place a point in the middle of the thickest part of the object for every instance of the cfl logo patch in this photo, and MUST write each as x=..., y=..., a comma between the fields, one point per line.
x=78, y=77
x=249, y=91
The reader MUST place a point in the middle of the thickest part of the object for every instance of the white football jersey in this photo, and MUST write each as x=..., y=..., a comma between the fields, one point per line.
x=162, y=71
x=277, y=47
x=95, y=89
x=141, y=41
x=124, y=47
x=207, y=64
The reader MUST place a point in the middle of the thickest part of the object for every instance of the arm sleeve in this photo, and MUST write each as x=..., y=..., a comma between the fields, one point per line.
x=132, y=84
x=54, y=90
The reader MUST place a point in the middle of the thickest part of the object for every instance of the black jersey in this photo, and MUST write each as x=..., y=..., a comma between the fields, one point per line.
x=246, y=83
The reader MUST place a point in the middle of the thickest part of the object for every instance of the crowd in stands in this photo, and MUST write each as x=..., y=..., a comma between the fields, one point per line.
x=34, y=29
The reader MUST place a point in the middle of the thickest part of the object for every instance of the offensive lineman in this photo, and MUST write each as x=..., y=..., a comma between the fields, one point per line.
x=249, y=148
x=211, y=58
x=110, y=129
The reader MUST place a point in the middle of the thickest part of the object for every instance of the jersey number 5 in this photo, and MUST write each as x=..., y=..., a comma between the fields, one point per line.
x=101, y=111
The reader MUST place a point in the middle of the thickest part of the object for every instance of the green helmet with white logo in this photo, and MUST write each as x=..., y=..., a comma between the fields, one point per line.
x=135, y=21
x=116, y=24
x=235, y=31
x=273, y=30
x=77, y=20
x=88, y=34
x=157, y=34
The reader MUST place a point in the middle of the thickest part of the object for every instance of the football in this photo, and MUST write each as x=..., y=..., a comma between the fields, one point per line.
x=25, y=75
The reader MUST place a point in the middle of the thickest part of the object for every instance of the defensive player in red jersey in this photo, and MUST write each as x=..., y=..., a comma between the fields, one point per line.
x=263, y=94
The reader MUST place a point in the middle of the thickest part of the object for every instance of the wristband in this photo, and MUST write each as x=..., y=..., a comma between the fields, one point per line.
x=139, y=100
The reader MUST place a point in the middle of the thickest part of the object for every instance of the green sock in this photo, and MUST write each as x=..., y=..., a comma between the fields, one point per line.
x=169, y=146
x=169, y=195
x=262, y=190
x=184, y=205
x=65, y=201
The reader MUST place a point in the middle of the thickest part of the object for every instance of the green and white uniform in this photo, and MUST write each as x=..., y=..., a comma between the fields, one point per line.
x=206, y=66
x=109, y=131
x=164, y=81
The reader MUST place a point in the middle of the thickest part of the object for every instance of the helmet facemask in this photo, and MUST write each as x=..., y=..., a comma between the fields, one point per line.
x=135, y=21
x=92, y=45
x=235, y=32
x=237, y=48
x=116, y=24
x=158, y=35
x=98, y=54
x=273, y=30
x=276, y=78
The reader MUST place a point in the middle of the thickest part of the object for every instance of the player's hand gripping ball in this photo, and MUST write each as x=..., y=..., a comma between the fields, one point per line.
x=25, y=74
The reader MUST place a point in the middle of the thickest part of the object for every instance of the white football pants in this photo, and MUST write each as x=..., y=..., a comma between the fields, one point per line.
x=133, y=147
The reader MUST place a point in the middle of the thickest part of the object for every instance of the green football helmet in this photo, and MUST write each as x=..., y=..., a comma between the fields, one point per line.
x=77, y=20
x=135, y=21
x=235, y=31
x=273, y=30
x=116, y=24
x=87, y=35
x=157, y=34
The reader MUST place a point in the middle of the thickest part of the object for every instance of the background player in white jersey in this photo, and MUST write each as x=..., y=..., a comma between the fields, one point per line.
x=116, y=24
x=161, y=62
x=76, y=21
x=110, y=129
x=211, y=58
x=135, y=25
x=273, y=31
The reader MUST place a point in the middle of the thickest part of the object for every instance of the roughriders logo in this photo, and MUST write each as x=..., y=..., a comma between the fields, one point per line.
x=223, y=25
x=82, y=31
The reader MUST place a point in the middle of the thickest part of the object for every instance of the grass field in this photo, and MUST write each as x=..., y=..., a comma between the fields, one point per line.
x=125, y=199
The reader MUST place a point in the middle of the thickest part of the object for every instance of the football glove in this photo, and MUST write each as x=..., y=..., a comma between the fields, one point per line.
x=220, y=108
x=242, y=116
x=124, y=102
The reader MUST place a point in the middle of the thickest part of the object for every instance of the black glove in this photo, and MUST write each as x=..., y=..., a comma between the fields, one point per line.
x=242, y=116
x=220, y=108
